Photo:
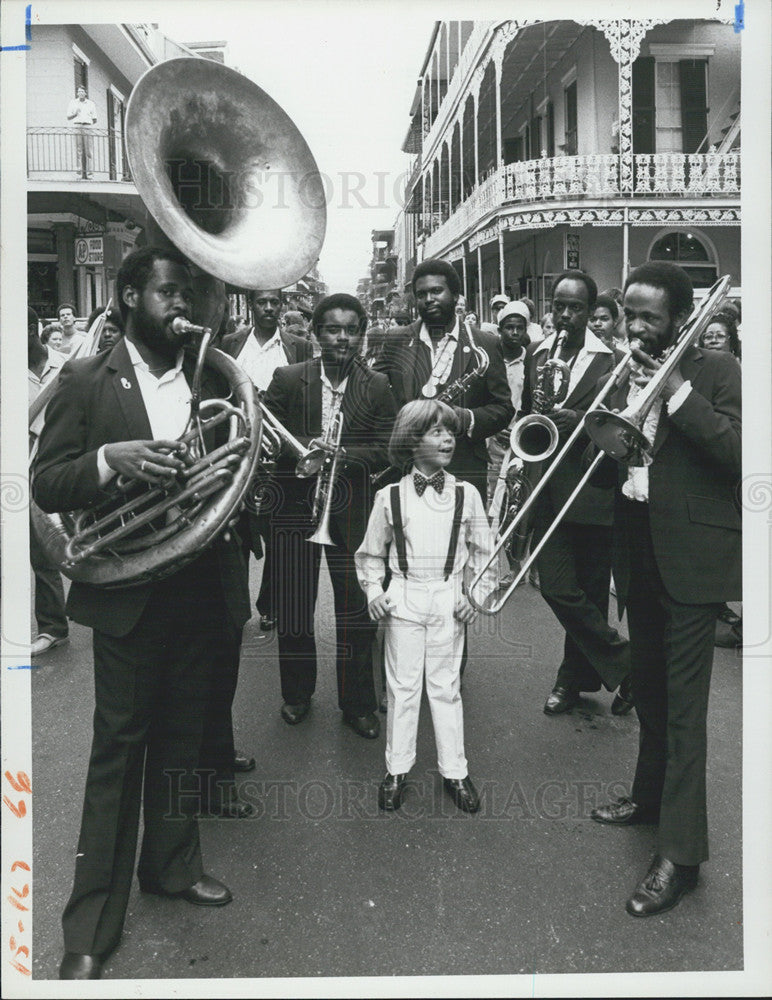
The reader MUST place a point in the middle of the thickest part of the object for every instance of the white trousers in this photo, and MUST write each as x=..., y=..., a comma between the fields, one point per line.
x=427, y=642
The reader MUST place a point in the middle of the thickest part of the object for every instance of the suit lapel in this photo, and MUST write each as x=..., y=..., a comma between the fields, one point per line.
x=588, y=379
x=311, y=397
x=128, y=393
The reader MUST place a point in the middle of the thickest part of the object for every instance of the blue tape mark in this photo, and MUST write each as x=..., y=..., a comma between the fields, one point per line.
x=739, y=17
x=27, y=34
x=26, y=666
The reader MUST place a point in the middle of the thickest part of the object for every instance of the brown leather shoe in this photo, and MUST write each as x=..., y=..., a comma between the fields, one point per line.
x=75, y=966
x=662, y=888
x=625, y=812
x=560, y=699
x=293, y=714
x=391, y=792
x=463, y=793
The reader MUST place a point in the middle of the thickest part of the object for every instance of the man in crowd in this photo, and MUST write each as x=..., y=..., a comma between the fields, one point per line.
x=71, y=336
x=81, y=113
x=260, y=350
x=155, y=644
x=497, y=304
x=43, y=365
x=535, y=332
x=427, y=357
x=575, y=564
x=311, y=399
x=677, y=559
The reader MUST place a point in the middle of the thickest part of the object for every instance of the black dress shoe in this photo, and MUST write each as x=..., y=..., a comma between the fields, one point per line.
x=625, y=812
x=232, y=808
x=662, y=888
x=243, y=763
x=366, y=726
x=293, y=714
x=267, y=623
x=463, y=793
x=623, y=700
x=728, y=616
x=560, y=700
x=391, y=791
x=76, y=966
x=206, y=892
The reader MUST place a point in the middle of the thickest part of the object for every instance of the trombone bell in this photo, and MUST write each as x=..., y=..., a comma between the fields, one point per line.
x=619, y=437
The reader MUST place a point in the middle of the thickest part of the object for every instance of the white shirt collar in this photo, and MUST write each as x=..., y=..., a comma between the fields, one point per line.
x=136, y=359
x=592, y=344
x=423, y=333
x=271, y=342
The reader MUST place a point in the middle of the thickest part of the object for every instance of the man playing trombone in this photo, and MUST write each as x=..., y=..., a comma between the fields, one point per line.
x=343, y=411
x=677, y=559
x=575, y=563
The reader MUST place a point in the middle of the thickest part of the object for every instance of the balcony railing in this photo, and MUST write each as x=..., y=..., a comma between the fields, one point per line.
x=593, y=177
x=72, y=153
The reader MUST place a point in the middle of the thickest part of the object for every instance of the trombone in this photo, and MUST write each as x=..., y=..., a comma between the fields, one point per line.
x=617, y=435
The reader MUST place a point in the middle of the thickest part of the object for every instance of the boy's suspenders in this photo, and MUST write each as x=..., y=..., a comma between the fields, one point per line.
x=399, y=534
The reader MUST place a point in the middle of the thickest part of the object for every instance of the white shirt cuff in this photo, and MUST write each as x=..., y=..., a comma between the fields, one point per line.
x=103, y=469
x=678, y=397
x=470, y=428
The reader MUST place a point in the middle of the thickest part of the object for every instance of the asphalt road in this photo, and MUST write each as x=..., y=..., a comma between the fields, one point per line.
x=326, y=885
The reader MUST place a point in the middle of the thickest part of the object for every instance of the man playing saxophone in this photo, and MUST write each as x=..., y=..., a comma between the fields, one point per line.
x=337, y=407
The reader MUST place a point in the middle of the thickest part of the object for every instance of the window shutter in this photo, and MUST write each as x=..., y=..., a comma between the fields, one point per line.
x=694, y=110
x=550, y=129
x=643, y=105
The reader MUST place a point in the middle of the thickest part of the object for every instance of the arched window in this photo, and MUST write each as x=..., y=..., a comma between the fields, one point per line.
x=691, y=253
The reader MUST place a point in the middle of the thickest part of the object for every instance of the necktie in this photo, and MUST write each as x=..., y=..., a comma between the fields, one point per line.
x=421, y=482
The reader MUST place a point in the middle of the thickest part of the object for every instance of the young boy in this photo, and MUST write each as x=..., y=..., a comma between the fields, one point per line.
x=430, y=531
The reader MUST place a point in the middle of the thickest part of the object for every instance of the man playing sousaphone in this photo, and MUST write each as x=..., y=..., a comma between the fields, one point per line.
x=120, y=413
x=339, y=406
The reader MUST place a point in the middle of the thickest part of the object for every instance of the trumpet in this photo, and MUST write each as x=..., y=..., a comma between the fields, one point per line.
x=618, y=435
x=325, y=483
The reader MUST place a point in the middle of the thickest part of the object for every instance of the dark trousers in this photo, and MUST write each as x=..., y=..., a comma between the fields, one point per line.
x=671, y=647
x=575, y=574
x=218, y=750
x=255, y=532
x=295, y=588
x=151, y=688
x=49, y=592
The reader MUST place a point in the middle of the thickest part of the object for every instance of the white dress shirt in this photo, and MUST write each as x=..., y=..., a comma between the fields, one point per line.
x=53, y=363
x=260, y=361
x=592, y=345
x=82, y=112
x=166, y=399
x=441, y=354
x=636, y=486
x=515, y=369
x=332, y=400
x=427, y=522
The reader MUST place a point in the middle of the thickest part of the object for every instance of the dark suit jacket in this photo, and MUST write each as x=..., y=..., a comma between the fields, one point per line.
x=407, y=363
x=296, y=348
x=694, y=511
x=98, y=401
x=295, y=398
x=594, y=505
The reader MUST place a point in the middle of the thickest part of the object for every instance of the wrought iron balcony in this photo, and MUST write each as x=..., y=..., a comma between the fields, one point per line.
x=70, y=153
x=594, y=178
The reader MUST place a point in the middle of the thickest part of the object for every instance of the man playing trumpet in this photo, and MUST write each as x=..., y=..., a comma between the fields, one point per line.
x=338, y=407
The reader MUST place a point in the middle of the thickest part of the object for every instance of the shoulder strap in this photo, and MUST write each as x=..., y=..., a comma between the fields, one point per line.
x=399, y=534
x=458, y=511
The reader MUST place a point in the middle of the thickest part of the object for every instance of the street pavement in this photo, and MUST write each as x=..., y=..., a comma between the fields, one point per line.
x=326, y=885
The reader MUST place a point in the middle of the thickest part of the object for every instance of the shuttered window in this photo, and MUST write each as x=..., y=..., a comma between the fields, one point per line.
x=643, y=105
x=694, y=111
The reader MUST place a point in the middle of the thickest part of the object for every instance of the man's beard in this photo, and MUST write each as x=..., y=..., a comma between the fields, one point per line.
x=157, y=336
x=438, y=320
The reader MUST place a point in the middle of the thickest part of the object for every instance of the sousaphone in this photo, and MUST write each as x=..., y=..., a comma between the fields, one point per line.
x=231, y=182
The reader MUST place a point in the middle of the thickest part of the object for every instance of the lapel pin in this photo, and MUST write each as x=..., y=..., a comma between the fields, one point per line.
x=125, y=382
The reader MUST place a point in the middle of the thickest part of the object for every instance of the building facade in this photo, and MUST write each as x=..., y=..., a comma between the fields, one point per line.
x=597, y=144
